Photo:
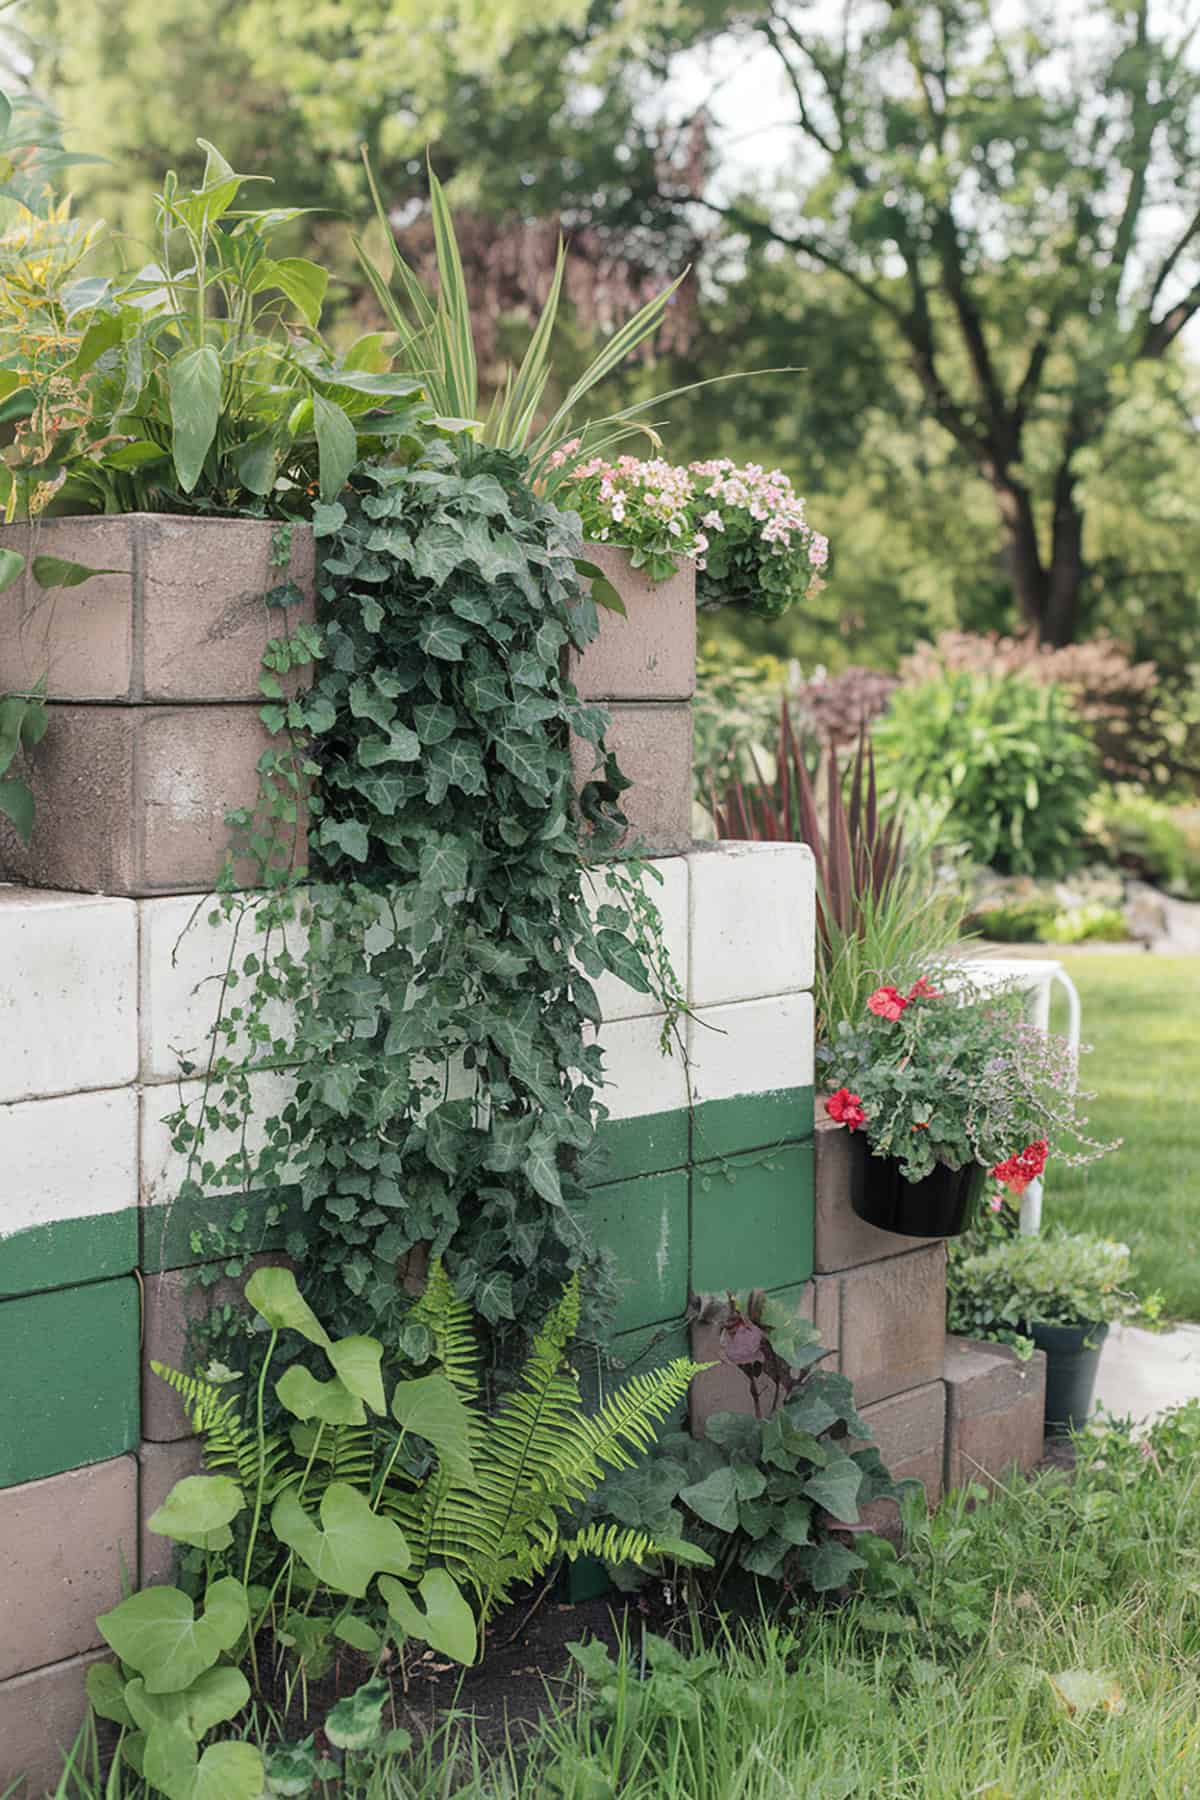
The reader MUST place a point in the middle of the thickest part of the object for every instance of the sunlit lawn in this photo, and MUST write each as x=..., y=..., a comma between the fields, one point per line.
x=1141, y=1014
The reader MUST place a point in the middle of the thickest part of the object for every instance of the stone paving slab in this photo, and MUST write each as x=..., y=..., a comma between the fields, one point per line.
x=1144, y=1373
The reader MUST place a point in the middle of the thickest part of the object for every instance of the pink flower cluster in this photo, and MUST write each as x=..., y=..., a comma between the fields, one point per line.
x=769, y=498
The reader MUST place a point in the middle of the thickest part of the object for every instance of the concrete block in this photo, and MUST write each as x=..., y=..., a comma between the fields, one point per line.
x=172, y=1301
x=653, y=745
x=670, y=896
x=752, y=1220
x=68, y=994
x=751, y=1066
x=161, y=1466
x=639, y=1078
x=70, y=1390
x=894, y=1323
x=56, y=1230
x=164, y=1169
x=178, y=616
x=753, y=919
x=843, y=1239
x=40, y=1714
x=995, y=1411
x=132, y=799
x=908, y=1430
x=650, y=654
x=724, y=1387
x=68, y=1549
x=183, y=959
x=643, y=1224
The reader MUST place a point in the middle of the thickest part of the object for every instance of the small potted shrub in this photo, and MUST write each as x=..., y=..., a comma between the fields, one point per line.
x=939, y=1084
x=1062, y=1291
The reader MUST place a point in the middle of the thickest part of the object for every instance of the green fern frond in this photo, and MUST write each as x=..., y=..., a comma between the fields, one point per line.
x=343, y=1453
x=230, y=1445
x=611, y=1544
x=450, y=1323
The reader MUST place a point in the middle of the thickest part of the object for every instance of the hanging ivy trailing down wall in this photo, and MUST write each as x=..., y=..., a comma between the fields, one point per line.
x=441, y=977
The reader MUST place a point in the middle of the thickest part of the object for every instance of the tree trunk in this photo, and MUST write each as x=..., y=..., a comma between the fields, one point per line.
x=1022, y=556
x=1066, y=571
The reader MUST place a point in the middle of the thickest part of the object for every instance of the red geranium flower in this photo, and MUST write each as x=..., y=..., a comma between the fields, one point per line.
x=1016, y=1172
x=887, y=1003
x=922, y=990
x=846, y=1108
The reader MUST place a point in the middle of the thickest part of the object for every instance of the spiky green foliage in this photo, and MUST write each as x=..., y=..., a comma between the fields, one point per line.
x=538, y=1456
x=450, y=1324
x=231, y=1445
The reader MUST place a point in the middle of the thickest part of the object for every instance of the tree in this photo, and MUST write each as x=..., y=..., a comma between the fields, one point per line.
x=997, y=194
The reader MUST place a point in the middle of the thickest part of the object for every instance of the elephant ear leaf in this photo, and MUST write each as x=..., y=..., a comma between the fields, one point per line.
x=447, y=1622
x=349, y=1546
x=198, y=1511
x=158, y=1633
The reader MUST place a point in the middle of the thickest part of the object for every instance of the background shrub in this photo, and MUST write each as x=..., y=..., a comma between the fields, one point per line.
x=1146, y=836
x=1005, y=759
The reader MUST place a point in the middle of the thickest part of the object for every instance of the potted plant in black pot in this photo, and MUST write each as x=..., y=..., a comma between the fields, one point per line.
x=938, y=1083
x=1060, y=1292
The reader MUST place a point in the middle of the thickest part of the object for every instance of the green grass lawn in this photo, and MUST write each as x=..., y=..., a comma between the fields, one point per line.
x=1141, y=1014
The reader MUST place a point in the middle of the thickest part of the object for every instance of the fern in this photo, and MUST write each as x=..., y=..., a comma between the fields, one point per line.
x=449, y=1322
x=230, y=1445
x=344, y=1453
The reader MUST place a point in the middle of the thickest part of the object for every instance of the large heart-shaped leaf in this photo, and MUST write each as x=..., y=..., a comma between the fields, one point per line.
x=358, y=1362
x=307, y=1398
x=194, y=386
x=715, y=1499
x=198, y=1510
x=224, y=1772
x=350, y=1545
x=835, y=1487
x=158, y=1633
x=11, y=565
x=432, y=1407
x=274, y=1295
x=447, y=1622
x=106, y=1693
x=217, y=1695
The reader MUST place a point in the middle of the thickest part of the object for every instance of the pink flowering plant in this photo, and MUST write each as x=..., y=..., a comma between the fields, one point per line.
x=938, y=1071
x=746, y=527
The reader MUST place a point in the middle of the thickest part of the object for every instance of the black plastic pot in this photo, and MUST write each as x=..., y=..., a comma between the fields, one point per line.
x=942, y=1205
x=1072, y=1361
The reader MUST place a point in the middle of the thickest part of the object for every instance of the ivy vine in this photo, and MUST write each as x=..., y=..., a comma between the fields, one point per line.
x=437, y=953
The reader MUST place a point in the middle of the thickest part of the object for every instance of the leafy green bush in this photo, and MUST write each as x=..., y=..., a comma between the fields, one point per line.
x=1042, y=920
x=1057, y=1278
x=1090, y=923
x=1006, y=759
x=1159, y=842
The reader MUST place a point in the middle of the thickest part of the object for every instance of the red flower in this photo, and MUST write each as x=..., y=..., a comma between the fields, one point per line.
x=846, y=1108
x=887, y=1003
x=1016, y=1172
x=921, y=990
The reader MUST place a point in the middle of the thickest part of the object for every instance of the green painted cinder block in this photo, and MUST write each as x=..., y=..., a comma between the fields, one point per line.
x=752, y=1220
x=69, y=1394
x=750, y=1122
x=217, y=1226
x=643, y=1225
x=66, y=1252
x=626, y=1148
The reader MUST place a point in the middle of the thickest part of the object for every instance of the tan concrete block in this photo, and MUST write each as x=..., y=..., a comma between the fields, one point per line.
x=650, y=654
x=724, y=1388
x=40, y=1714
x=894, y=1322
x=840, y=1238
x=909, y=1432
x=172, y=1302
x=68, y=1544
x=132, y=800
x=653, y=745
x=162, y=1465
x=995, y=1411
x=181, y=616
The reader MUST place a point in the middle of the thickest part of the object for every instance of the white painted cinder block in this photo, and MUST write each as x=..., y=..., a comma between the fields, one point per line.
x=640, y=1079
x=164, y=1169
x=752, y=1047
x=183, y=962
x=71, y=1158
x=753, y=920
x=68, y=993
x=670, y=896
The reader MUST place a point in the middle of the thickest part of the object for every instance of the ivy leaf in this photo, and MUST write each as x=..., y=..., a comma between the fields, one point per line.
x=715, y=1499
x=444, y=865
x=347, y=835
x=337, y=1087
x=442, y=638
x=525, y=758
x=350, y=1545
x=828, y=1566
x=434, y=723
x=366, y=702
x=494, y=1296
x=622, y=959
x=157, y=1632
x=541, y=1169
x=447, y=1623
x=486, y=692
x=400, y=745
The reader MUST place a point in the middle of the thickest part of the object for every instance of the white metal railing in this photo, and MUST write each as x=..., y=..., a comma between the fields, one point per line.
x=1037, y=976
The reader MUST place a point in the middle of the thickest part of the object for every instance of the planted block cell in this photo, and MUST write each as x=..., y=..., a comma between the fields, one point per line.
x=643, y=1224
x=752, y=1221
